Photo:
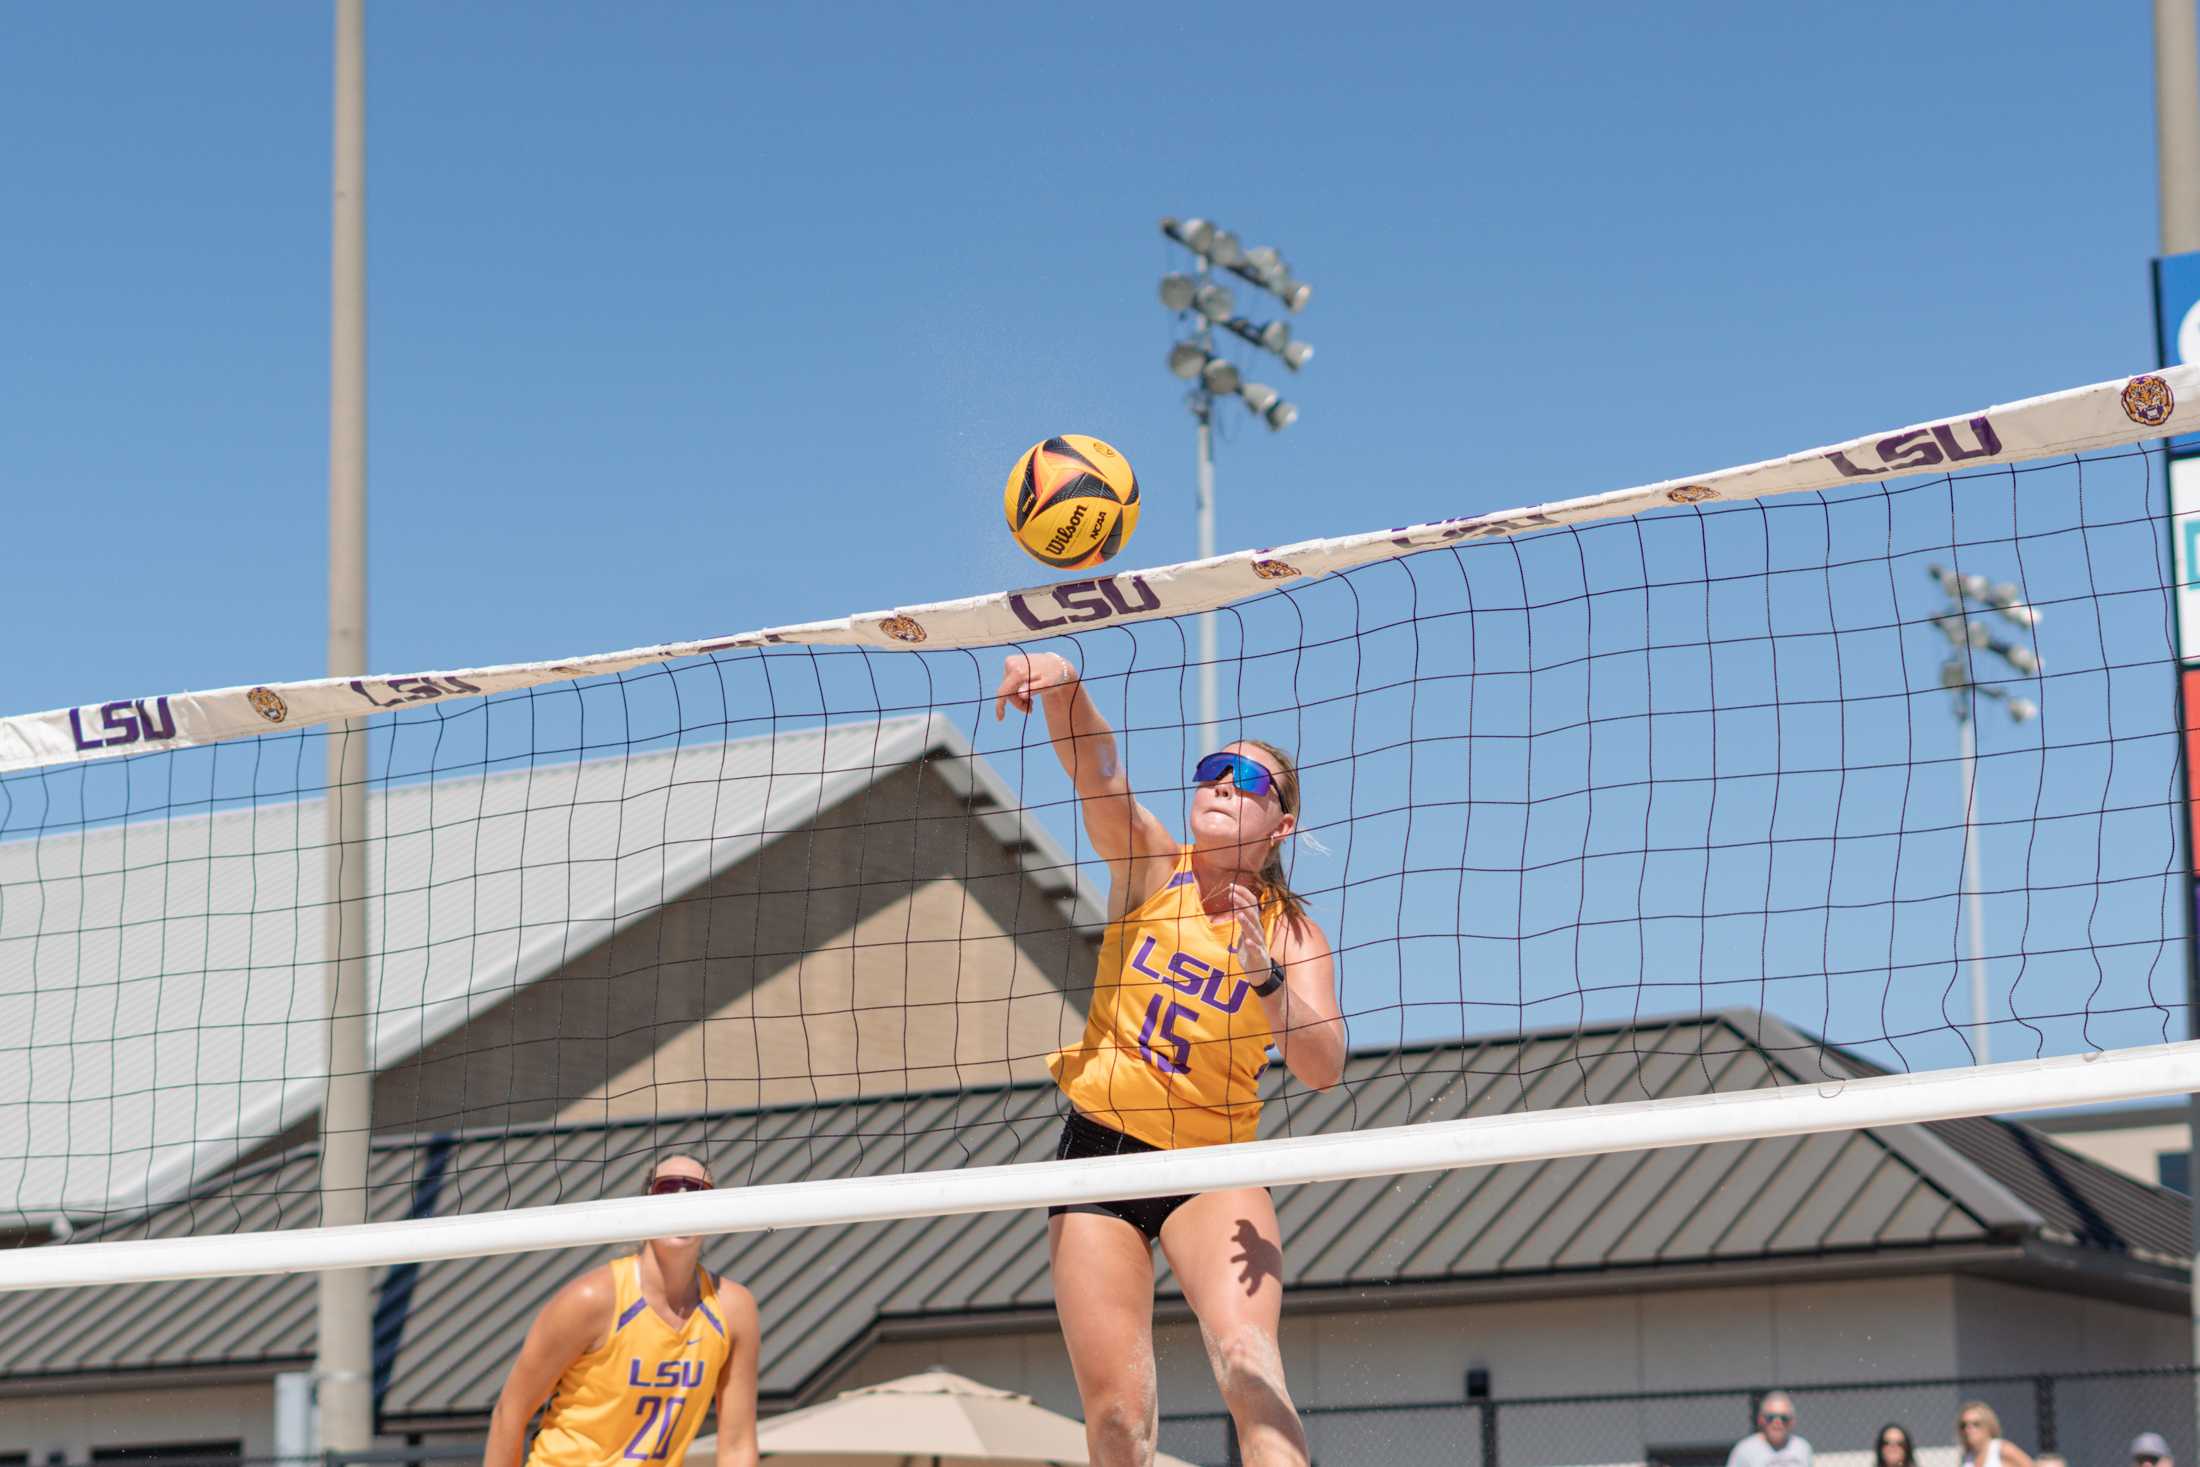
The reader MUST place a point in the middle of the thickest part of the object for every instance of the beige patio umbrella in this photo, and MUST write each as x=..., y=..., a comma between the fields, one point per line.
x=935, y=1419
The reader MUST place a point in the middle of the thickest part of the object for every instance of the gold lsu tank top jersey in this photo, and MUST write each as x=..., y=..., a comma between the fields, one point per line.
x=641, y=1396
x=1175, y=1042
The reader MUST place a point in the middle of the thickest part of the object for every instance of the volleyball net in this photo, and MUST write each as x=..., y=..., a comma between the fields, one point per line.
x=1870, y=755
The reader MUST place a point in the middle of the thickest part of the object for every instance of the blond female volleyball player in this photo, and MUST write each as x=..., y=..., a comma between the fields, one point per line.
x=1208, y=960
x=632, y=1356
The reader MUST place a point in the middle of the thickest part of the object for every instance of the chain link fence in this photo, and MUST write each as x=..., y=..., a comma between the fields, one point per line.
x=2088, y=1417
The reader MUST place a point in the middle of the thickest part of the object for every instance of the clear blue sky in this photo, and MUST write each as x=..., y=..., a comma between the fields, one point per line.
x=686, y=320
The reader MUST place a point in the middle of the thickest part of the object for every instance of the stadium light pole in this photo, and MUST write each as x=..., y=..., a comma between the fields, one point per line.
x=1959, y=675
x=2177, y=184
x=1206, y=304
x=343, y=1362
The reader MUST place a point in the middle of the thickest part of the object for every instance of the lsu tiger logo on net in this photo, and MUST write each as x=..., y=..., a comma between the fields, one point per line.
x=2148, y=401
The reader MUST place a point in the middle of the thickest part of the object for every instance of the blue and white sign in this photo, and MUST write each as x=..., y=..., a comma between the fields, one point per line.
x=2184, y=523
x=2177, y=324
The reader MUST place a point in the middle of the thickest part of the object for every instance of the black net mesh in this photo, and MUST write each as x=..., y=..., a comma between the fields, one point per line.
x=1556, y=785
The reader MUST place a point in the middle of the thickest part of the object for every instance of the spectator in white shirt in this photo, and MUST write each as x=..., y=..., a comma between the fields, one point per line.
x=1774, y=1442
x=1978, y=1432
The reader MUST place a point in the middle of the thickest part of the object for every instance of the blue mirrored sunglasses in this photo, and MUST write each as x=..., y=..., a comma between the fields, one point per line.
x=1250, y=776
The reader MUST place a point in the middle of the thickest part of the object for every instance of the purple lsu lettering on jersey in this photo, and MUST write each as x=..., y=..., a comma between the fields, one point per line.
x=1189, y=975
x=671, y=1375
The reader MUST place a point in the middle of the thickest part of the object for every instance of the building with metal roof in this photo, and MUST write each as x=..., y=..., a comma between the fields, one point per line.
x=815, y=914
x=1908, y=1253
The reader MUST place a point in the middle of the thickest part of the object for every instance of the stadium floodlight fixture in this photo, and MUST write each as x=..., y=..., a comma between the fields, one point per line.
x=1203, y=238
x=2009, y=601
x=1279, y=283
x=1205, y=305
x=1194, y=234
x=1968, y=635
x=2002, y=597
x=1269, y=270
x=1274, y=337
x=1263, y=265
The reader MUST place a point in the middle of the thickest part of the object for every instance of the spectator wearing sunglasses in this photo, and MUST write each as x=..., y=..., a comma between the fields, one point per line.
x=1774, y=1442
x=1978, y=1433
x=1897, y=1448
x=1209, y=959
x=2149, y=1450
x=633, y=1355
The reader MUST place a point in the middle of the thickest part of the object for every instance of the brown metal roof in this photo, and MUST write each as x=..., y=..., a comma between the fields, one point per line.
x=446, y=1331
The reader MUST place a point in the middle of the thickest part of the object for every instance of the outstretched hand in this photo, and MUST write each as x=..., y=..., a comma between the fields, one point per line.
x=1024, y=676
x=1251, y=946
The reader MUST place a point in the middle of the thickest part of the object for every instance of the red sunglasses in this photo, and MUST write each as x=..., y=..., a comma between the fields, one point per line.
x=666, y=1186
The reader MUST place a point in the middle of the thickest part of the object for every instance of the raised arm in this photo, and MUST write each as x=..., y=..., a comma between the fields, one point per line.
x=576, y=1320
x=1121, y=829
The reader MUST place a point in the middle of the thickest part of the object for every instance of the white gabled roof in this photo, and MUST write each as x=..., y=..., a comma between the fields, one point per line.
x=161, y=982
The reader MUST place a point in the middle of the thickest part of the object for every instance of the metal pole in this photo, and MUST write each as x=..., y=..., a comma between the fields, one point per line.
x=1973, y=879
x=1207, y=705
x=2177, y=123
x=344, y=1347
x=2177, y=163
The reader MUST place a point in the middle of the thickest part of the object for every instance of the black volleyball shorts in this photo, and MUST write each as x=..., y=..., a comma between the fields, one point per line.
x=1084, y=1136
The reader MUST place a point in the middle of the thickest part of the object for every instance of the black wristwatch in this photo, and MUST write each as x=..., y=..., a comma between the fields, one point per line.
x=1275, y=981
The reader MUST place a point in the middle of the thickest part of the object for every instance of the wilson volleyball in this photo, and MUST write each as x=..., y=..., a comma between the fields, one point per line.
x=1071, y=501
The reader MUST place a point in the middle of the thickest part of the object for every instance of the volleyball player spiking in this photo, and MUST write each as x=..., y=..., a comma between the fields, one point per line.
x=1209, y=958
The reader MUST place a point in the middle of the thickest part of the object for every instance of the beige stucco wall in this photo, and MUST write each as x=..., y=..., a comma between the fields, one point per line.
x=892, y=945
x=74, y=1422
x=2133, y=1150
x=868, y=1012
x=1671, y=1340
x=2010, y=1330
